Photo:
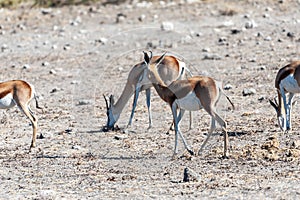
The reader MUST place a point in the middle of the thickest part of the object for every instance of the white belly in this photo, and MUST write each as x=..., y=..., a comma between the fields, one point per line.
x=189, y=102
x=7, y=102
x=290, y=84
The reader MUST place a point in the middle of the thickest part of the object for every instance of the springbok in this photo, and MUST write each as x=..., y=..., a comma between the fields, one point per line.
x=20, y=93
x=171, y=68
x=287, y=82
x=193, y=94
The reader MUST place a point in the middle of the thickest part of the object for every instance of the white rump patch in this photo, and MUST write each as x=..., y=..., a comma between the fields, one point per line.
x=189, y=102
x=7, y=102
x=290, y=84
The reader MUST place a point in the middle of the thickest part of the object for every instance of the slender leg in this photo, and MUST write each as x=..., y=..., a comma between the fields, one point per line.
x=212, y=128
x=26, y=110
x=289, y=108
x=191, y=121
x=174, y=112
x=285, y=125
x=148, y=98
x=136, y=96
x=177, y=129
x=222, y=123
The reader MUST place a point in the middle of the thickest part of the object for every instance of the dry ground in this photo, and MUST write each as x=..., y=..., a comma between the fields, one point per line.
x=73, y=55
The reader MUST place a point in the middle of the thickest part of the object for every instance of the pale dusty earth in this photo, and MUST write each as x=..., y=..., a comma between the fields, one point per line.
x=73, y=55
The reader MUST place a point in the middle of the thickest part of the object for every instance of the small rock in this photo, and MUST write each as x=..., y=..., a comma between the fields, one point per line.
x=190, y=175
x=76, y=147
x=44, y=64
x=4, y=47
x=211, y=57
x=235, y=31
x=67, y=47
x=102, y=40
x=268, y=38
x=228, y=87
x=52, y=71
x=84, y=102
x=249, y=91
x=26, y=66
x=290, y=35
x=250, y=24
x=142, y=17
x=46, y=11
x=167, y=26
x=120, y=17
x=120, y=137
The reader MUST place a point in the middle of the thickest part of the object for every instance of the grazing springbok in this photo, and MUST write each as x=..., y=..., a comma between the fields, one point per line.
x=287, y=82
x=20, y=93
x=171, y=68
x=192, y=94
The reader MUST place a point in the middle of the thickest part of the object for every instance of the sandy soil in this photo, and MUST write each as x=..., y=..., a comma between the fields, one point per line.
x=74, y=55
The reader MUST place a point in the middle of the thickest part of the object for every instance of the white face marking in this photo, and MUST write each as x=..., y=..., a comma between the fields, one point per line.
x=189, y=102
x=290, y=84
x=7, y=102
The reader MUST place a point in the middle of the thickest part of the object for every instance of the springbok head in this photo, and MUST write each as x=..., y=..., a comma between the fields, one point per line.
x=281, y=116
x=111, y=119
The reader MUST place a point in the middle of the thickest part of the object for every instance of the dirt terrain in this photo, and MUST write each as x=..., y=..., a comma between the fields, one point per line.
x=73, y=55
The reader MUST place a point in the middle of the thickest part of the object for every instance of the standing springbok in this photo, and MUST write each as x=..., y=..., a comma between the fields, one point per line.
x=171, y=68
x=287, y=82
x=192, y=94
x=20, y=93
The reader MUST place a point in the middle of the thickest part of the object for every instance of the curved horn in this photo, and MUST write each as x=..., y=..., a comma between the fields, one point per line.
x=106, y=102
x=158, y=61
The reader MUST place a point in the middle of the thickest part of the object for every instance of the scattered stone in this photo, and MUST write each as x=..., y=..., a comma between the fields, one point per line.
x=52, y=71
x=76, y=147
x=235, y=31
x=141, y=18
x=26, y=66
x=44, y=64
x=249, y=91
x=54, y=90
x=206, y=50
x=228, y=87
x=67, y=47
x=268, y=38
x=190, y=175
x=46, y=11
x=84, y=102
x=4, y=47
x=167, y=26
x=120, y=18
x=290, y=35
x=41, y=136
x=102, y=40
x=75, y=82
x=211, y=57
x=120, y=137
x=250, y=24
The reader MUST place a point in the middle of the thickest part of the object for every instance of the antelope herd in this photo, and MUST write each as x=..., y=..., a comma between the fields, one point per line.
x=167, y=74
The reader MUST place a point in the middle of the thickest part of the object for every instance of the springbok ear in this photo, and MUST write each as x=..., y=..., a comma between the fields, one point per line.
x=146, y=57
x=111, y=100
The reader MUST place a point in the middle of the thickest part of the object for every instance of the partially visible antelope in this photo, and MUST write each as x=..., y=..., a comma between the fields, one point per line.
x=192, y=94
x=171, y=68
x=20, y=93
x=287, y=82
